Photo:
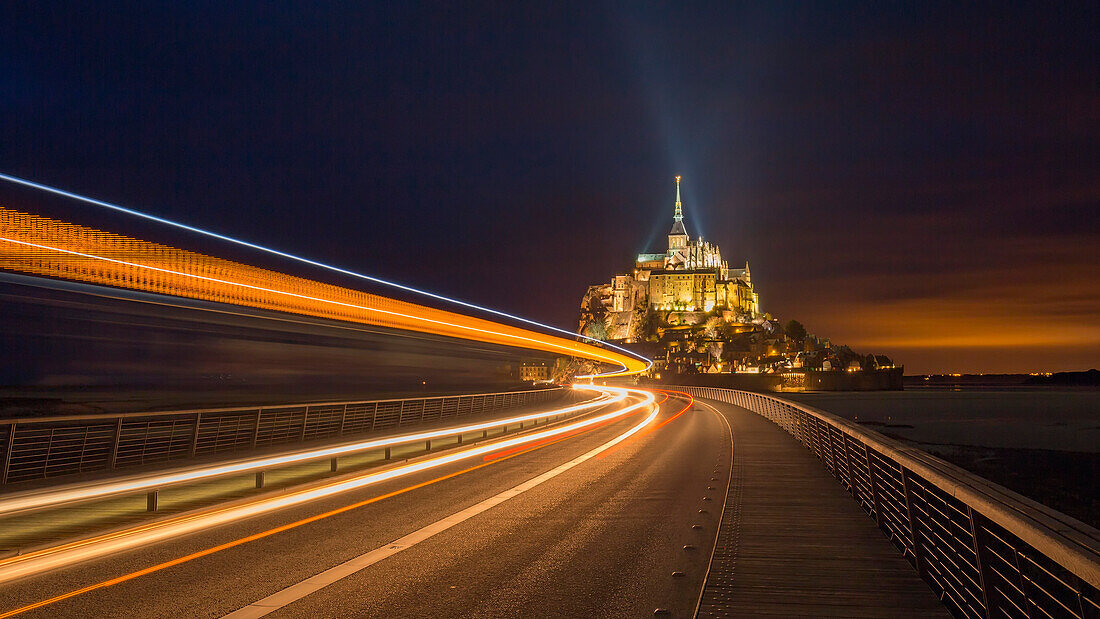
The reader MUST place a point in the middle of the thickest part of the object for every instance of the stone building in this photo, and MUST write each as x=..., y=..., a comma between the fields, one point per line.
x=690, y=276
x=534, y=371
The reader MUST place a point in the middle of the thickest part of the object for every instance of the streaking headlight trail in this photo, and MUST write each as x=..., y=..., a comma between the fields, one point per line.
x=67, y=554
x=69, y=494
x=300, y=259
x=43, y=246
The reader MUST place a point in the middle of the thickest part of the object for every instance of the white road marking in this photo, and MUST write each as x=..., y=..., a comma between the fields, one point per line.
x=315, y=583
x=35, y=562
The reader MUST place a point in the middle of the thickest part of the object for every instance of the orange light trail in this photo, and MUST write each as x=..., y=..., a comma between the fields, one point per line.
x=72, y=493
x=64, y=555
x=650, y=430
x=533, y=446
x=257, y=536
x=505, y=452
x=48, y=247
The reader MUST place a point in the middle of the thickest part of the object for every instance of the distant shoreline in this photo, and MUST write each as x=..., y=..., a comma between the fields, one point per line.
x=1086, y=378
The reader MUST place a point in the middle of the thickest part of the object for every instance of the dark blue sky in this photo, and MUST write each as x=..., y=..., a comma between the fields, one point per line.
x=921, y=181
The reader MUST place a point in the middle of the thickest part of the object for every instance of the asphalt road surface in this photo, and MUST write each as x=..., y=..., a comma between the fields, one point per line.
x=621, y=533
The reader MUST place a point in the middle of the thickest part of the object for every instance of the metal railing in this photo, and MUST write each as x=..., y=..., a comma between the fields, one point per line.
x=38, y=448
x=985, y=550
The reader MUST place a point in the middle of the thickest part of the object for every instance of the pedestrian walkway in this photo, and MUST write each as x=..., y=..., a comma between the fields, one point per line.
x=794, y=543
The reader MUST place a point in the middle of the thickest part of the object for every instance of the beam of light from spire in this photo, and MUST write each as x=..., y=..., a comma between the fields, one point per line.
x=129, y=211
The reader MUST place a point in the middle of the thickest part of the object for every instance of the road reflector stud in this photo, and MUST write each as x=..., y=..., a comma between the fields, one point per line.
x=677, y=574
x=689, y=547
x=697, y=526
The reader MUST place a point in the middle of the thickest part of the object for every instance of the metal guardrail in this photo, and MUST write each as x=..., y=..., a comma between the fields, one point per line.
x=985, y=550
x=38, y=448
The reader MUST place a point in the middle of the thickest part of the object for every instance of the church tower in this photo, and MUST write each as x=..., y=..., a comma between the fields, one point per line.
x=677, y=236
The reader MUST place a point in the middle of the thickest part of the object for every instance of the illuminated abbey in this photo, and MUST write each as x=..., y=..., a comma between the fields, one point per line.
x=690, y=277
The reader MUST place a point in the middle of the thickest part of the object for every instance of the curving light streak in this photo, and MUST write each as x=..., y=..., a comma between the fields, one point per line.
x=44, y=246
x=67, y=554
x=38, y=499
x=370, y=278
x=529, y=340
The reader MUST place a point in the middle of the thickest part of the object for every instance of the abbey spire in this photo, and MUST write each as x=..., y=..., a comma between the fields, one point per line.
x=678, y=236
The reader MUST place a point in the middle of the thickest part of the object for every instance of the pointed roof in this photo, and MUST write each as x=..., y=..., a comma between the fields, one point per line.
x=678, y=218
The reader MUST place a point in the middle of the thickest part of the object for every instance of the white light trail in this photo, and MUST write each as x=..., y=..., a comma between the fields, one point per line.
x=67, y=554
x=295, y=592
x=39, y=499
x=282, y=254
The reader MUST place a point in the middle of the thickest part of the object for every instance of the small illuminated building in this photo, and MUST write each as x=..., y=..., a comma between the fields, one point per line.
x=534, y=371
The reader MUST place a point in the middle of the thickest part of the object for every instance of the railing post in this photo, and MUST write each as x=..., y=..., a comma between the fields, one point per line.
x=832, y=450
x=388, y=453
x=114, y=445
x=305, y=424
x=152, y=498
x=256, y=429
x=852, y=486
x=343, y=418
x=981, y=558
x=261, y=478
x=874, y=488
x=195, y=436
x=6, y=464
x=914, y=523
x=332, y=465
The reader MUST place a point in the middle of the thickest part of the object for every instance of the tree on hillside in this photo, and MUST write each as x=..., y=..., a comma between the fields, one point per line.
x=795, y=331
x=644, y=323
x=596, y=329
x=593, y=315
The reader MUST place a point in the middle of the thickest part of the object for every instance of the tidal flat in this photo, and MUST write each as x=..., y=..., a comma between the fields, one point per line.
x=1043, y=443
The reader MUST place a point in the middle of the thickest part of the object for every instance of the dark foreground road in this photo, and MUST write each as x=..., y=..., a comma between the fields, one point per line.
x=621, y=534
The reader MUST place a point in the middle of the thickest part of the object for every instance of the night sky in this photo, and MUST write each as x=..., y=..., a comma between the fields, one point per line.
x=922, y=182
